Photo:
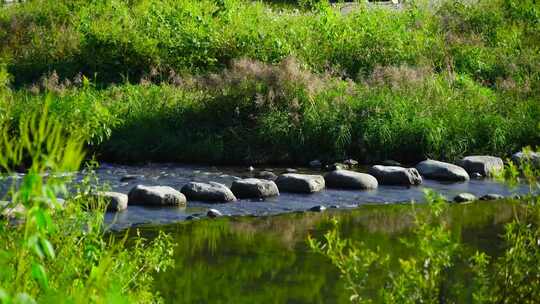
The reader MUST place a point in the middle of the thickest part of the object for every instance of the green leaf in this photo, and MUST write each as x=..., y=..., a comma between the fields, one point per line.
x=47, y=248
x=33, y=244
x=39, y=274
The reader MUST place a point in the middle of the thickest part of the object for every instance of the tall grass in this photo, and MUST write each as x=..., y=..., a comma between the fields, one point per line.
x=244, y=82
x=51, y=250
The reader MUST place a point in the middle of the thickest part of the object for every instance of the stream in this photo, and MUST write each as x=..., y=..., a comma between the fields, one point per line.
x=177, y=175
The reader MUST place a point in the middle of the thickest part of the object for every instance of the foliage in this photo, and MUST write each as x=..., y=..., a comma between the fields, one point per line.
x=512, y=277
x=53, y=251
x=245, y=82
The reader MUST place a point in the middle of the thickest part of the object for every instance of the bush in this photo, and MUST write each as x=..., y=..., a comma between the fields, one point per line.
x=55, y=252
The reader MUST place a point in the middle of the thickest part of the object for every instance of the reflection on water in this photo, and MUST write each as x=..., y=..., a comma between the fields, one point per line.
x=265, y=259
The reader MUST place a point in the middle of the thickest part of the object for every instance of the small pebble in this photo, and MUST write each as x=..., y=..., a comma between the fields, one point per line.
x=464, y=197
x=213, y=213
x=318, y=208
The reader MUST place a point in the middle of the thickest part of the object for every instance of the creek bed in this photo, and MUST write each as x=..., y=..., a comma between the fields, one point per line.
x=177, y=175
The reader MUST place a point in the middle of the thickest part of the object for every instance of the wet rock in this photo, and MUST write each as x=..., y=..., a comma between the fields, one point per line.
x=213, y=213
x=115, y=201
x=350, y=162
x=346, y=179
x=334, y=207
x=391, y=163
x=130, y=177
x=394, y=175
x=291, y=170
x=315, y=163
x=532, y=157
x=464, y=197
x=268, y=175
x=491, y=197
x=208, y=192
x=318, y=208
x=482, y=164
x=155, y=196
x=300, y=183
x=254, y=188
x=437, y=170
x=192, y=217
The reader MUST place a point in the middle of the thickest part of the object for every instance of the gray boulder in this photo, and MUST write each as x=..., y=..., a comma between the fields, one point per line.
x=433, y=169
x=115, y=201
x=532, y=157
x=346, y=179
x=208, y=192
x=300, y=183
x=155, y=196
x=482, y=164
x=464, y=197
x=254, y=188
x=393, y=175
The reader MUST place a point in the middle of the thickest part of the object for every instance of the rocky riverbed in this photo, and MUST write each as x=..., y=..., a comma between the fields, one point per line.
x=167, y=193
x=124, y=178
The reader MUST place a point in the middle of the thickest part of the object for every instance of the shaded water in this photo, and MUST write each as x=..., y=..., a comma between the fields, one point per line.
x=266, y=259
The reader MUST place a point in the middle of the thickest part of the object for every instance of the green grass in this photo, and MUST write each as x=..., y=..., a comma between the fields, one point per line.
x=246, y=82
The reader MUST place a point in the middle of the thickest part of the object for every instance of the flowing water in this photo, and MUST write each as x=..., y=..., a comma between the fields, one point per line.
x=176, y=176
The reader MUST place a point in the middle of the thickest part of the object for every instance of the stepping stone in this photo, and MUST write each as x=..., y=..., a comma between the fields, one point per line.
x=464, y=197
x=115, y=201
x=345, y=179
x=208, y=192
x=155, y=196
x=300, y=183
x=254, y=188
x=482, y=164
x=437, y=170
x=394, y=175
